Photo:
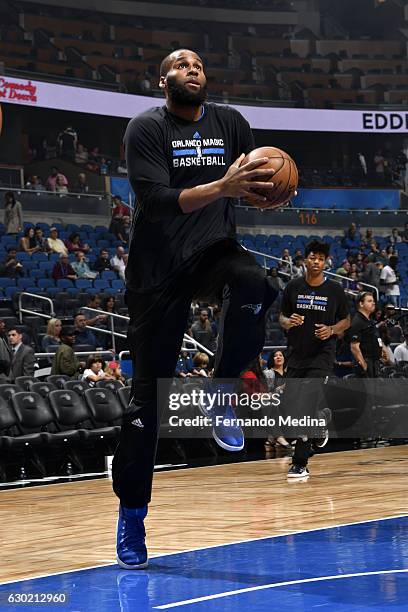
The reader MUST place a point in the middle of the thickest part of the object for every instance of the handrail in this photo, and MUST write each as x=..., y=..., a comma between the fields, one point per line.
x=101, y=195
x=265, y=256
x=38, y=297
x=78, y=353
x=326, y=272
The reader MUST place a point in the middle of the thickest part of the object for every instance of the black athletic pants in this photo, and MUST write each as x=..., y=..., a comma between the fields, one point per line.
x=303, y=448
x=158, y=321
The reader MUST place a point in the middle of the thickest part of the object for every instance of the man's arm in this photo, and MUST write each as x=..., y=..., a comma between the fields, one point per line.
x=323, y=332
x=28, y=362
x=358, y=355
x=293, y=321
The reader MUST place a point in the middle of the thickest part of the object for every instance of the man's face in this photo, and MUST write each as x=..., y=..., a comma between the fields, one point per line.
x=203, y=316
x=70, y=339
x=80, y=322
x=368, y=304
x=315, y=263
x=12, y=253
x=79, y=255
x=64, y=260
x=120, y=251
x=38, y=233
x=104, y=254
x=185, y=83
x=54, y=234
x=2, y=326
x=14, y=337
x=390, y=312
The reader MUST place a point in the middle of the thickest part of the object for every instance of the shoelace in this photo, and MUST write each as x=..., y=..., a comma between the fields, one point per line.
x=133, y=532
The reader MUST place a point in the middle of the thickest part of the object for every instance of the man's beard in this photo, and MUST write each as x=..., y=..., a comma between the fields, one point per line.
x=181, y=96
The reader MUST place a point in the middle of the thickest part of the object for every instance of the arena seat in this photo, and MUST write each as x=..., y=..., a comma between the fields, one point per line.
x=124, y=396
x=58, y=380
x=113, y=385
x=42, y=388
x=79, y=386
x=105, y=409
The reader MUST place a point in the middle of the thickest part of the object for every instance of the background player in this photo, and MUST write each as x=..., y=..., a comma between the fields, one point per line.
x=180, y=159
x=313, y=311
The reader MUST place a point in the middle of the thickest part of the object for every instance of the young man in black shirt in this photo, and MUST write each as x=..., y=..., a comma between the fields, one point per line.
x=313, y=311
x=365, y=342
x=184, y=162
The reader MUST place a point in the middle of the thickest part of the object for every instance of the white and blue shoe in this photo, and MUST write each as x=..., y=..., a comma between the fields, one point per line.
x=226, y=431
x=131, y=552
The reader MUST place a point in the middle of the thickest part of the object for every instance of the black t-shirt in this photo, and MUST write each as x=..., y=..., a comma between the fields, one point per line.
x=325, y=304
x=365, y=332
x=166, y=154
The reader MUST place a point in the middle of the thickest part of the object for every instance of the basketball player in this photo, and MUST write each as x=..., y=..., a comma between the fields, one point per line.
x=184, y=163
x=313, y=311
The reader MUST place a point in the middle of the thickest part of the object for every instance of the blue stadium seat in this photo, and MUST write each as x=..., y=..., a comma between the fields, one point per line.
x=87, y=228
x=118, y=285
x=22, y=256
x=36, y=274
x=23, y=283
x=40, y=256
x=54, y=257
x=101, y=284
x=64, y=283
x=10, y=291
x=109, y=275
x=83, y=283
x=45, y=283
x=103, y=244
x=7, y=282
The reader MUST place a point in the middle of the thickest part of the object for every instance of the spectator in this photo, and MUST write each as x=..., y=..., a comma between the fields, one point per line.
x=53, y=335
x=389, y=280
x=11, y=267
x=275, y=280
x=82, y=334
x=67, y=143
x=200, y=363
x=203, y=332
x=94, y=371
x=185, y=366
x=103, y=263
x=379, y=165
x=51, y=181
x=5, y=354
x=81, y=267
x=352, y=237
x=40, y=241
x=112, y=368
x=298, y=268
x=344, y=269
x=383, y=257
x=103, y=166
x=13, y=214
x=395, y=238
x=81, y=155
x=93, y=318
x=64, y=361
x=401, y=351
x=74, y=244
x=63, y=269
x=55, y=244
x=353, y=283
x=391, y=250
x=372, y=272
x=388, y=356
x=23, y=357
x=61, y=186
x=118, y=262
x=275, y=369
x=124, y=231
x=119, y=208
x=109, y=304
x=35, y=183
x=81, y=185
x=404, y=233
x=28, y=243
x=368, y=238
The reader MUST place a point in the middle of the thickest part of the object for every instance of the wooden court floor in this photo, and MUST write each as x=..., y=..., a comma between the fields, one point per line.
x=61, y=527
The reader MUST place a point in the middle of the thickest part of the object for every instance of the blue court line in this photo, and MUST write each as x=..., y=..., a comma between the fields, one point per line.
x=305, y=565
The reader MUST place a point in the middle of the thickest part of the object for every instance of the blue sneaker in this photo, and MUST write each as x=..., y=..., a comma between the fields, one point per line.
x=131, y=552
x=226, y=432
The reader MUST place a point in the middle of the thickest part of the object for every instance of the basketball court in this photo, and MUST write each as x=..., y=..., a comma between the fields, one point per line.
x=223, y=537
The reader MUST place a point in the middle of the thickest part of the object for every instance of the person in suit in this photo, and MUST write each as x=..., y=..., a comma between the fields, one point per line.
x=23, y=357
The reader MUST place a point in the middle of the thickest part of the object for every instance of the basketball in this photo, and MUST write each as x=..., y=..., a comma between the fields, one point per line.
x=285, y=178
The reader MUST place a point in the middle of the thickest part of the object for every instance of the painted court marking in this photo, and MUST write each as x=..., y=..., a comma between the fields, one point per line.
x=274, y=585
x=180, y=552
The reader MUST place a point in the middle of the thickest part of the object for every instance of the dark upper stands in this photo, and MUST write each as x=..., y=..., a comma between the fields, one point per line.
x=282, y=61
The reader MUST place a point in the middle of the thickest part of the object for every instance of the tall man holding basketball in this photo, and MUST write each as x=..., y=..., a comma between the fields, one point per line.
x=184, y=163
x=313, y=311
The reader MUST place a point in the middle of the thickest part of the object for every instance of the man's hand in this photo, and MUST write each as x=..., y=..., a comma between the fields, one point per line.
x=296, y=320
x=238, y=181
x=323, y=332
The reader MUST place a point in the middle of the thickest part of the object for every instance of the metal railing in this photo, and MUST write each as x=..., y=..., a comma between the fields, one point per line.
x=34, y=312
x=372, y=288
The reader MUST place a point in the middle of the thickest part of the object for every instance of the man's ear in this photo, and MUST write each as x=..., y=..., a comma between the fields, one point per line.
x=162, y=82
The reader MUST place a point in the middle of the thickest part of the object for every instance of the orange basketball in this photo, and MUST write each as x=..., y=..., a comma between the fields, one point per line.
x=285, y=178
